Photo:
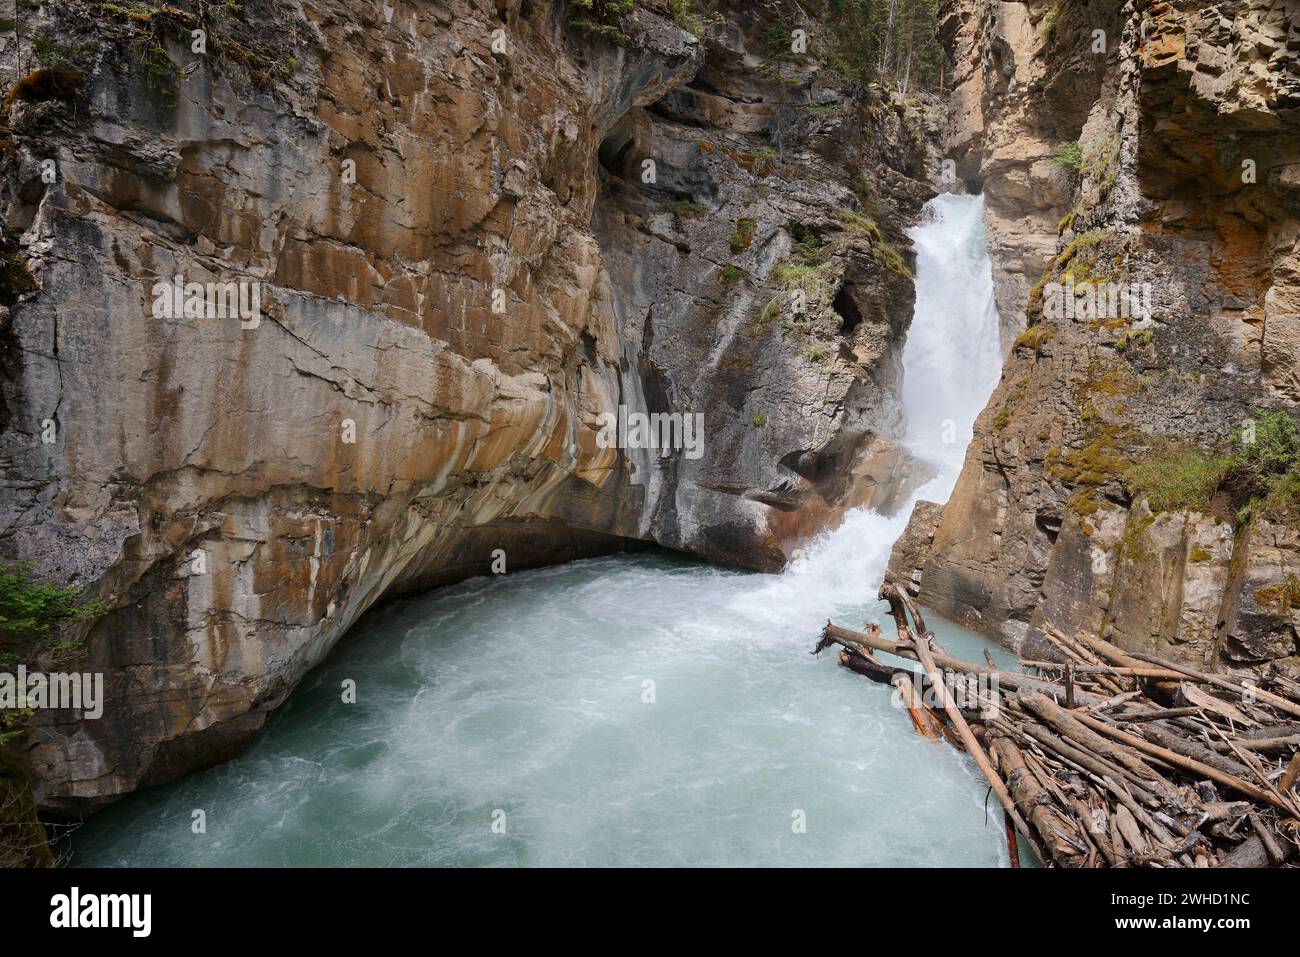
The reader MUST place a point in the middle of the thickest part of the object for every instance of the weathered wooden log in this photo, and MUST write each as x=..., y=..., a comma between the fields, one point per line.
x=1094, y=830
x=1276, y=701
x=1049, y=765
x=1114, y=701
x=873, y=640
x=1079, y=655
x=1088, y=763
x=859, y=662
x=1259, y=744
x=1168, y=843
x=1287, y=729
x=1164, y=736
x=1013, y=846
x=1288, y=779
x=968, y=738
x=1252, y=761
x=1284, y=686
x=1271, y=846
x=1109, y=652
x=923, y=719
x=897, y=610
x=1253, y=853
x=1127, y=826
x=1222, y=811
x=1074, y=728
x=1114, y=670
x=1189, y=765
x=1159, y=714
x=1055, y=830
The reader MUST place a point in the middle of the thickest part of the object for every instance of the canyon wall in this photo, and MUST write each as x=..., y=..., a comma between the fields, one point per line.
x=463, y=262
x=1094, y=495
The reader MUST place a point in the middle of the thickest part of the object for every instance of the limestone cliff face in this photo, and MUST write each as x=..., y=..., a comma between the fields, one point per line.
x=1188, y=122
x=461, y=267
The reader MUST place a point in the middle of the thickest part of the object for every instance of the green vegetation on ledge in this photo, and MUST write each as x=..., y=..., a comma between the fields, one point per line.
x=1260, y=476
x=31, y=615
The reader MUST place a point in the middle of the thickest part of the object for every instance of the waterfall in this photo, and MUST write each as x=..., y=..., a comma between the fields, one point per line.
x=951, y=364
x=643, y=709
x=953, y=358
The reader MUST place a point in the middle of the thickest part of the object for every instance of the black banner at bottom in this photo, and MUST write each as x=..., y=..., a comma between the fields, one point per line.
x=333, y=907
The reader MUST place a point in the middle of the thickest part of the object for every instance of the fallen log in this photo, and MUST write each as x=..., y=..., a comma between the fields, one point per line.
x=1253, y=853
x=1074, y=728
x=1162, y=735
x=1107, y=670
x=1135, y=777
x=1052, y=827
x=1189, y=765
x=1271, y=845
x=1013, y=847
x=1085, y=761
x=1277, y=701
x=875, y=641
x=866, y=665
x=920, y=644
x=1288, y=779
x=1163, y=714
x=973, y=745
x=1259, y=744
x=1094, y=830
x=923, y=719
x=1108, y=651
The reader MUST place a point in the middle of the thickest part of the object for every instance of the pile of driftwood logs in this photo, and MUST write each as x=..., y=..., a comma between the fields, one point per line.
x=1107, y=758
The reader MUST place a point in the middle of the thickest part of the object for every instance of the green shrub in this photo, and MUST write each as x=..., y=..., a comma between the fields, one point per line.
x=1048, y=29
x=1283, y=496
x=685, y=16
x=809, y=250
x=600, y=17
x=885, y=253
x=1133, y=337
x=31, y=612
x=816, y=352
x=766, y=313
x=1070, y=156
x=1034, y=338
x=1277, y=441
x=797, y=275
x=859, y=225
x=23, y=841
x=14, y=277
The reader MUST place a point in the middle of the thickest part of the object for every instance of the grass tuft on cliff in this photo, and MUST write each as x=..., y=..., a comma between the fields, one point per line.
x=1181, y=479
x=1258, y=472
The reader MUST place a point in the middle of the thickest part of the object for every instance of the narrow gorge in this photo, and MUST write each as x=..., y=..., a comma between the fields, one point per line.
x=545, y=374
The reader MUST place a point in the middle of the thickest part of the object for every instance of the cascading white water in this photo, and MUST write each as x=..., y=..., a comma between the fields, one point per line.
x=639, y=709
x=951, y=363
x=953, y=357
